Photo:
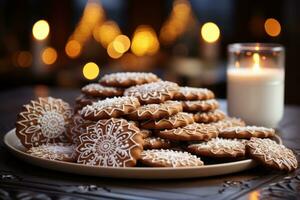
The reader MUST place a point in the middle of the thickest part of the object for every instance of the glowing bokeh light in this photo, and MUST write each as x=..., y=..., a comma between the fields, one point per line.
x=49, y=55
x=112, y=52
x=90, y=70
x=40, y=30
x=272, y=27
x=73, y=48
x=107, y=32
x=121, y=43
x=210, y=32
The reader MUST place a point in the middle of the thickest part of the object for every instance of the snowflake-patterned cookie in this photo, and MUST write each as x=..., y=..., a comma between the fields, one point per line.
x=193, y=93
x=200, y=105
x=169, y=158
x=157, y=92
x=191, y=132
x=208, y=117
x=110, y=143
x=127, y=79
x=76, y=127
x=97, y=90
x=156, y=111
x=156, y=143
x=246, y=132
x=59, y=151
x=43, y=121
x=219, y=148
x=110, y=107
x=178, y=120
x=271, y=154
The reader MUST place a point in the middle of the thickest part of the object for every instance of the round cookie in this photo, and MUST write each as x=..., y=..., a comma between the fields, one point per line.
x=155, y=111
x=246, y=132
x=200, y=105
x=97, y=90
x=156, y=143
x=191, y=132
x=43, y=121
x=178, y=120
x=272, y=155
x=76, y=127
x=110, y=107
x=193, y=93
x=150, y=93
x=127, y=79
x=84, y=100
x=169, y=158
x=145, y=133
x=110, y=143
x=229, y=122
x=59, y=151
x=208, y=117
x=219, y=148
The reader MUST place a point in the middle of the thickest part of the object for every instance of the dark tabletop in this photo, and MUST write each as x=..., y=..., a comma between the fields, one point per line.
x=20, y=180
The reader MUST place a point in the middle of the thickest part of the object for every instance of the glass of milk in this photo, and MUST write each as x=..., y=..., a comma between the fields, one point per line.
x=255, y=83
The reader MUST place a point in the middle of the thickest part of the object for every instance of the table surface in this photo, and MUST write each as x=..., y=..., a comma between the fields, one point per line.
x=19, y=180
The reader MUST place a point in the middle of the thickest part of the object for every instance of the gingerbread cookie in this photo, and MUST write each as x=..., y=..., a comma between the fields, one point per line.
x=156, y=143
x=208, y=117
x=110, y=143
x=229, y=122
x=127, y=79
x=191, y=132
x=169, y=158
x=150, y=93
x=97, y=90
x=43, y=121
x=178, y=120
x=219, y=148
x=84, y=100
x=271, y=154
x=156, y=111
x=76, y=127
x=200, y=105
x=59, y=151
x=110, y=107
x=193, y=93
x=246, y=132
x=145, y=133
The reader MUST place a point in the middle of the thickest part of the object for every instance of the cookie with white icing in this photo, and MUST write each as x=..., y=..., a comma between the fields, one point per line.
x=155, y=111
x=59, y=151
x=191, y=132
x=219, y=148
x=127, y=79
x=272, y=155
x=200, y=105
x=169, y=158
x=110, y=143
x=178, y=120
x=110, y=107
x=229, y=122
x=246, y=132
x=150, y=93
x=146, y=133
x=157, y=143
x=208, y=117
x=84, y=100
x=76, y=127
x=43, y=121
x=97, y=90
x=193, y=93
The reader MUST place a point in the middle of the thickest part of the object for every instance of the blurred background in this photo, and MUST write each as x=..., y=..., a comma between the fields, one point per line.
x=73, y=42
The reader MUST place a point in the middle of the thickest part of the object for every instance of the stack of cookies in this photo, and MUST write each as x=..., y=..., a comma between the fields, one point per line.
x=136, y=119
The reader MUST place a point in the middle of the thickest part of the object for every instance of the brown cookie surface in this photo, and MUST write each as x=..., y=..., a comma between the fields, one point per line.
x=156, y=143
x=43, y=121
x=169, y=158
x=219, y=148
x=271, y=154
x=127, y=79
x=76, y=127
x=208, y=117
x=97, y=90
x=200, y=105
x=229, y=122
x=110, y=143
x=191, y=132
x=246, y=132
x=193, y=93
x=178, y=120
x=59, y=151
x=110, y=107
x=156, y=111
x=145, y=133
x=152, y=93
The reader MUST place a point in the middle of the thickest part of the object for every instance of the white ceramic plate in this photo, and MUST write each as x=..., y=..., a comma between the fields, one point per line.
x=14, y=145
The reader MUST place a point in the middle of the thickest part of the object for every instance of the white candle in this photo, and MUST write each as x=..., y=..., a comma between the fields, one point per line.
x=256, y=94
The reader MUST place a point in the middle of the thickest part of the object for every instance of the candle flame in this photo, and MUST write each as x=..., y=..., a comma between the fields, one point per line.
x=256, y=60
